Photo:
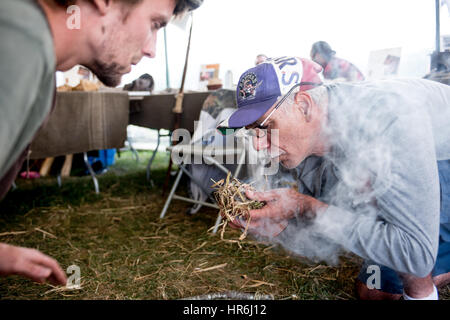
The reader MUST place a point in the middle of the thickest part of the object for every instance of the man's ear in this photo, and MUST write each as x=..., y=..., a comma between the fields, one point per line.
x=102, y=6
x=305, y=103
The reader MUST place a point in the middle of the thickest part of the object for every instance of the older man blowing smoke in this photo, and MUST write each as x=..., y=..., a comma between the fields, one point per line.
x=377, y=160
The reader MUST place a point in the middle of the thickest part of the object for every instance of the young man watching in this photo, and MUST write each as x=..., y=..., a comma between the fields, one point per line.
x=36, y=42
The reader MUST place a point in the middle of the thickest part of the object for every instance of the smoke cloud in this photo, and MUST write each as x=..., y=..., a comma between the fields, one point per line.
x=368, y=127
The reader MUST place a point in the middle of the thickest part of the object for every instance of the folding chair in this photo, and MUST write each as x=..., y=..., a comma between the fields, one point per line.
x=199, y=151
x=155, y=112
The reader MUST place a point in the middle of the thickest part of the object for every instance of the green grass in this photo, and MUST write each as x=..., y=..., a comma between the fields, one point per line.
x=125, y=251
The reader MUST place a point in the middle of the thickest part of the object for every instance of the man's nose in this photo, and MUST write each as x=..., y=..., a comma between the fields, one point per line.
x=261, y=143
x=149, y=49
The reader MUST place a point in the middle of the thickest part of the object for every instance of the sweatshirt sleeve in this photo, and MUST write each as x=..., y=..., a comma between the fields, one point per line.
x=22, y=65
x=403, y=231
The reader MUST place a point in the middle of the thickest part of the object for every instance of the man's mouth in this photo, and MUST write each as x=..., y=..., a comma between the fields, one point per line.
x=136, y=60
x=129, y=67
x=276, y=153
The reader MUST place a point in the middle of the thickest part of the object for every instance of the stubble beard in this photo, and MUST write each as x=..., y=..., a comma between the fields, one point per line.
x=107, y=73
x=289, y=163
x=104, y=67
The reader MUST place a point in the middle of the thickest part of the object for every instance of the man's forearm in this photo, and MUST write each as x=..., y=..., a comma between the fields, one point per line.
x=374, y=239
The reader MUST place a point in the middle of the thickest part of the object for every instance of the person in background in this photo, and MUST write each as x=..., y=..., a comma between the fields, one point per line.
x=334, y=67
x=260, y=58
x=144, y=83
x=39, y=37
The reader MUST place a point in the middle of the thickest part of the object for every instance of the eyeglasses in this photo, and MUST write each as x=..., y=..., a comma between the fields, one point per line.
x=259, y=131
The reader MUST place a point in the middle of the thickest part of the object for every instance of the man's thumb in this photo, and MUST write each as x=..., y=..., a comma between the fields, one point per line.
x=259, y=196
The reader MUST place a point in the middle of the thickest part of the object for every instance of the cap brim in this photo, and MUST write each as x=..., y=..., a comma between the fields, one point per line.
x=246, y=115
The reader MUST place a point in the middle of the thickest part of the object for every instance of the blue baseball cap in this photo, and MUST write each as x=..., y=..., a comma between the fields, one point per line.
x=261, y=86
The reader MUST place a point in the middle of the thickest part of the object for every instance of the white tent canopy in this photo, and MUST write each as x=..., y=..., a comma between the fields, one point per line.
x=233, y=32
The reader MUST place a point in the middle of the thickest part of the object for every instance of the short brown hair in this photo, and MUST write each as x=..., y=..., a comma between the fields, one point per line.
x=181, y=6
x=66, y=3
x=186, y=5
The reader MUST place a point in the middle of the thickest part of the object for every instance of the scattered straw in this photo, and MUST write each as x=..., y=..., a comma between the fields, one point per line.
x=88, y=237
x=302, y=275
x=199, y=247
x=219, y=266
x=60, y=289
x=257, y=283
x=12, y=233
x=231, y=295
x=46, y=233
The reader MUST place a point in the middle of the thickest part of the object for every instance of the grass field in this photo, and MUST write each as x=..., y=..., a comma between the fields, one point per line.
x=125, y=251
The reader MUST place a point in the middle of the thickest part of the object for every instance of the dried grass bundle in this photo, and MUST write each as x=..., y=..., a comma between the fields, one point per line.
x=233, y=204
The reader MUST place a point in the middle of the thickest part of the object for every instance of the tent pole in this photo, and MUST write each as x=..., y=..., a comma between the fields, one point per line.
x=178, y=109
x=167, y=60
x=438, y=27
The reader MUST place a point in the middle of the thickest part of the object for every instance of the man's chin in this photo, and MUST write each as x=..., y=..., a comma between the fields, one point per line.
x=108, y=74
x=288, y=163
x=110, y=81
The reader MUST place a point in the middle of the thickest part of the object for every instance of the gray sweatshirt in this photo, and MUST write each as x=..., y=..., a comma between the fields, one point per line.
x=381, y=178
x=27, y=69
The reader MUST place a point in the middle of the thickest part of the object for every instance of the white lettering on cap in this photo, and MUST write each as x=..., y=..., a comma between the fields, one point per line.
x=289, y=72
